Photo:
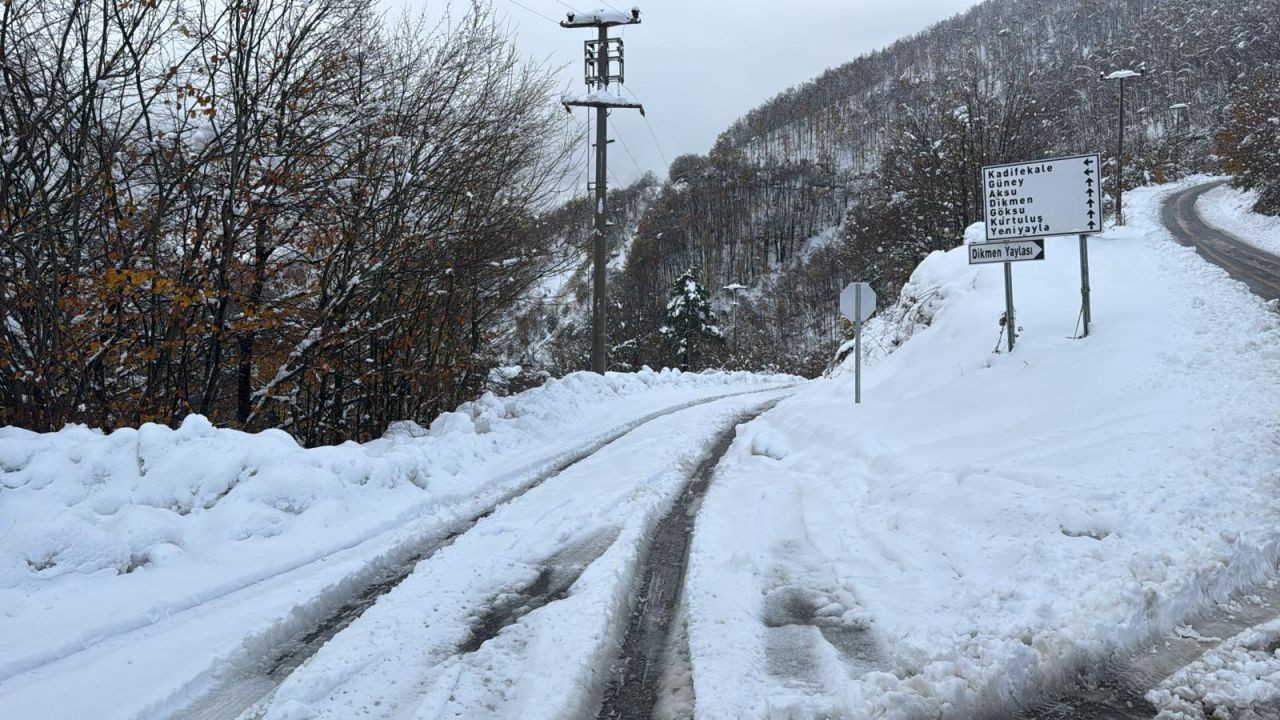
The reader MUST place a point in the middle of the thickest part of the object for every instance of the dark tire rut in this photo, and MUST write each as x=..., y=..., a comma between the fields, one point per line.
x=642, y=667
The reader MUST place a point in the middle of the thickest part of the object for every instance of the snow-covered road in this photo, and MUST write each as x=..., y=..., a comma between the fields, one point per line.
x=163, y=641
x=1249, y=260
x=545, y=581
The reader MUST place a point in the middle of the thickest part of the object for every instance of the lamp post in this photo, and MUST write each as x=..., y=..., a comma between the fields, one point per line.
x=1121, y=76
x=1179, y=113
x=735, y=288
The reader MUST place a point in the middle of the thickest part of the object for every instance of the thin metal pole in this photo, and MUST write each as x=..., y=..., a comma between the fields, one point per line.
x=1086, y=310
x=1120, y=163
x=735, y=325
x=1010, y=325
x=600, y=291
x=857, y=346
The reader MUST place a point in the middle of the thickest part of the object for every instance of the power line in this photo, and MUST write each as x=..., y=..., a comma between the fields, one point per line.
x=649, y=125
x=585, y=182
x=624, y=147
x=517, y=3
x=575, y=11
x=657, y=144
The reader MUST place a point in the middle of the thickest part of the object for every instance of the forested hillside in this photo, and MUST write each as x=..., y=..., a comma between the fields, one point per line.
x=292, y=214
x=281, y=213
x=861, y=172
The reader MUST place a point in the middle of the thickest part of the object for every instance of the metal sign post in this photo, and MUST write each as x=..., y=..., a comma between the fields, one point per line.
x=857, y=303
x=1085, y=310
x=857, y=350
x=1010, y=326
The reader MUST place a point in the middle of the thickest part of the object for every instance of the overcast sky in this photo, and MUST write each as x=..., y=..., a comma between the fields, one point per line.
x=698, y=65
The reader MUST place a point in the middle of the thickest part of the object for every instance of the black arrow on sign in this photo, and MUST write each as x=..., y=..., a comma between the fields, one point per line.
x=1089, y=182
x=1090, y=202
x=1090, y=191
x=1091, y=225
x=1088, y=162
x=1088, y=172
x=1092, y=214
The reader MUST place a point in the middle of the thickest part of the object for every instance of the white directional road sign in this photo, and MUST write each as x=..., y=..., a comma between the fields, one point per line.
x=849, y=301
x=1011, y=251
x=1059, y=196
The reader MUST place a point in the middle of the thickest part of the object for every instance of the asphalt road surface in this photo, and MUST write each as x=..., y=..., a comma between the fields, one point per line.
x=1257, y=269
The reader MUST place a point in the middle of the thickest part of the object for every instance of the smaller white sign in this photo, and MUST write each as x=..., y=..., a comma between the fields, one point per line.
x=849, y=301
x=1012, y=251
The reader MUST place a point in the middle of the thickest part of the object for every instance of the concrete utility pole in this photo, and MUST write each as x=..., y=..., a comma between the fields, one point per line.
x=1122, y=75
x=601, y=56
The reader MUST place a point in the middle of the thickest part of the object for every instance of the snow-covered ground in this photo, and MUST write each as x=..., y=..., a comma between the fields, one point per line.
x=1229, y=209
x=986, y=522
x=578, y=538
x=983, y=525
x=135, y=565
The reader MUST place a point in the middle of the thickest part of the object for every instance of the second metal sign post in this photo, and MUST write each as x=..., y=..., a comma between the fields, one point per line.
x=857, y=303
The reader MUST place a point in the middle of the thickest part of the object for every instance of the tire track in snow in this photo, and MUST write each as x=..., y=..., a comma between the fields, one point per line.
x=643, y=666
x=1115, y=689
x=557, y=574
x=251, y=679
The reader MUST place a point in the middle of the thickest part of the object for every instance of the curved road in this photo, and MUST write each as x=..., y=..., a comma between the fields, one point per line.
x=1258, y=269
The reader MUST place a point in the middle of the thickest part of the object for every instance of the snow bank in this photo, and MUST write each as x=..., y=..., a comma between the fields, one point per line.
x=1238, y=679
x=933, y=281
x=104, y=533
x=80, y=501
x=986, y=522
x=1229, y=209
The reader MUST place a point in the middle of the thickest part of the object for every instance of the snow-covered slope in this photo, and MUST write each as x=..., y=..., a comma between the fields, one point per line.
x=1229, y=209
x=986, y=522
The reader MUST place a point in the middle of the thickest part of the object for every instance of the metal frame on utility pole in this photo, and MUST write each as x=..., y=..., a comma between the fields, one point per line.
x=600, y=56
x=1121, y=75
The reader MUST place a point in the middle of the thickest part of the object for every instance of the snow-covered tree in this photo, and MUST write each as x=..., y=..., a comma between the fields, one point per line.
x=1249, y=142
x=278, y=213
x=690, y=323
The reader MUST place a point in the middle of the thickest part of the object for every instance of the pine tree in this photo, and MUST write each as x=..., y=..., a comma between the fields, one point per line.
x=690, y=322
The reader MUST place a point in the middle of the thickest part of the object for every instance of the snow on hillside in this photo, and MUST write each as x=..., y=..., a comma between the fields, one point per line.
x=1229, y=209
x=106, y=533
x=985, y=522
